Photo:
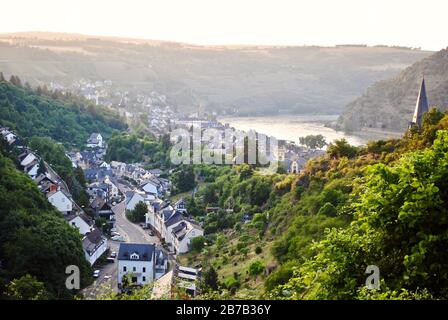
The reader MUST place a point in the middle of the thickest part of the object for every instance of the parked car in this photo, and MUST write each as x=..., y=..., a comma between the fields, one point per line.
x=113, y=254
x=96, y=273
x=111, y=260
x=113, y=230
x=118, y=238
x=151, y=233
x=115, y=234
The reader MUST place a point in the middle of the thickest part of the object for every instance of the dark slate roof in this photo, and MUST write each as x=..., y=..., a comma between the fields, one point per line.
x=87, y=155
x=92, y=173
x=179, y=227
x=145, y=251
x=174, y=218
x=92, y=241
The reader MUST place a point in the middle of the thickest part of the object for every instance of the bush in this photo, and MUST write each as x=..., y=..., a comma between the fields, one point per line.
x=258, y=250
x=197, y=244
x=256, y=268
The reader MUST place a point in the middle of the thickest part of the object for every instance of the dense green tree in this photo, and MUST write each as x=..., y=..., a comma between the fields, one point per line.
x=34, y=238
x=210, y=279
x=197, y=244
x=139, y=212
x=183, y=179
x=67, y=120
x=313, y=141
x=341, y=148
x=26, y=288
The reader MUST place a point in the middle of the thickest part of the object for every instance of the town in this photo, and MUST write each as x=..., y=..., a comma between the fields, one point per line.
x=117, y=248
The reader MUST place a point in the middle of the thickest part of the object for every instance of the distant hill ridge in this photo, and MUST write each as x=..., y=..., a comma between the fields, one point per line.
x=255, y=80
x=389, y=104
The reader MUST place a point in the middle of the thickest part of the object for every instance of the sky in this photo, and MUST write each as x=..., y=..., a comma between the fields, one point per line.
x=409, y=23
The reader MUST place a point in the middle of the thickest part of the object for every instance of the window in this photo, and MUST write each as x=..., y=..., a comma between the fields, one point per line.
x=124, y=269
x=144, y=278
x=134, y=269
x=144, y=269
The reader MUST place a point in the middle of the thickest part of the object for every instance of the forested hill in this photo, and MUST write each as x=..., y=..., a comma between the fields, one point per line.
x=390, y=103
x=36, y=243
x=312, y=235
x=65, y=118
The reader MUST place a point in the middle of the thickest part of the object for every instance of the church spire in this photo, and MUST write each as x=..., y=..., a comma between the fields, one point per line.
x=421, y=106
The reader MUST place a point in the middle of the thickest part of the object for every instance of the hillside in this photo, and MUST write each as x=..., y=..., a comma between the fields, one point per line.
x=252, y=79
x=389, y=104
x=66, y=119
x=35, y=240
x=312, y=235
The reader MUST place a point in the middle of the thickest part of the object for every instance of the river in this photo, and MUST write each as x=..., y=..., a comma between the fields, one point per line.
x=292, y=127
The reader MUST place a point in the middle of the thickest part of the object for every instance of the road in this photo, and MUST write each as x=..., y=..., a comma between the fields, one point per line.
x=132, y=233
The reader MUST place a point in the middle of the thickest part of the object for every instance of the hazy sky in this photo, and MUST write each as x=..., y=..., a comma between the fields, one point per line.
x=421, y=23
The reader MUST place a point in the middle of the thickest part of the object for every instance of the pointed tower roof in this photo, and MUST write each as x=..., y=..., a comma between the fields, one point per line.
x=421, y=106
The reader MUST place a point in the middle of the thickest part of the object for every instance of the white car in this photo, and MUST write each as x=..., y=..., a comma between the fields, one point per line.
x=107, y=277
x=118, y=238
x=113, y=230
x=115, y=234
x=96, y=273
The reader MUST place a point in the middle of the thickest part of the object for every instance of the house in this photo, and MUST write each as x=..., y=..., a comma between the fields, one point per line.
x=151, y=187
x=182, y=235
x=80, y=221
x=161, y=263
x=95, y=140
x=181, y=206
x=61, y=200
x=28, y=158
x=156, y=172
x=137, y=261
x=132, y=198
x=88, y=158
x=113, y=190
x=91, y=174
x=105, y=165
x=32, y=168
x=94, y=245
x=119, y=168
x=169, y=224
x=103, y=209
x=8, y=136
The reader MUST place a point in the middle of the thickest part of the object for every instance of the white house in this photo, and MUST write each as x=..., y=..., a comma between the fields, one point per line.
x=8, y=135
x=132, y=198
x=182, y=235
x=30, y=157
x=114, y=191
x=32, y=168
x=61, y=201
x=137, y=260
x=94, y=245
x=181, y=206
x=95, y=140
x=173, y=221
x=105, y=165
x=150, y=187
x=80, y=221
